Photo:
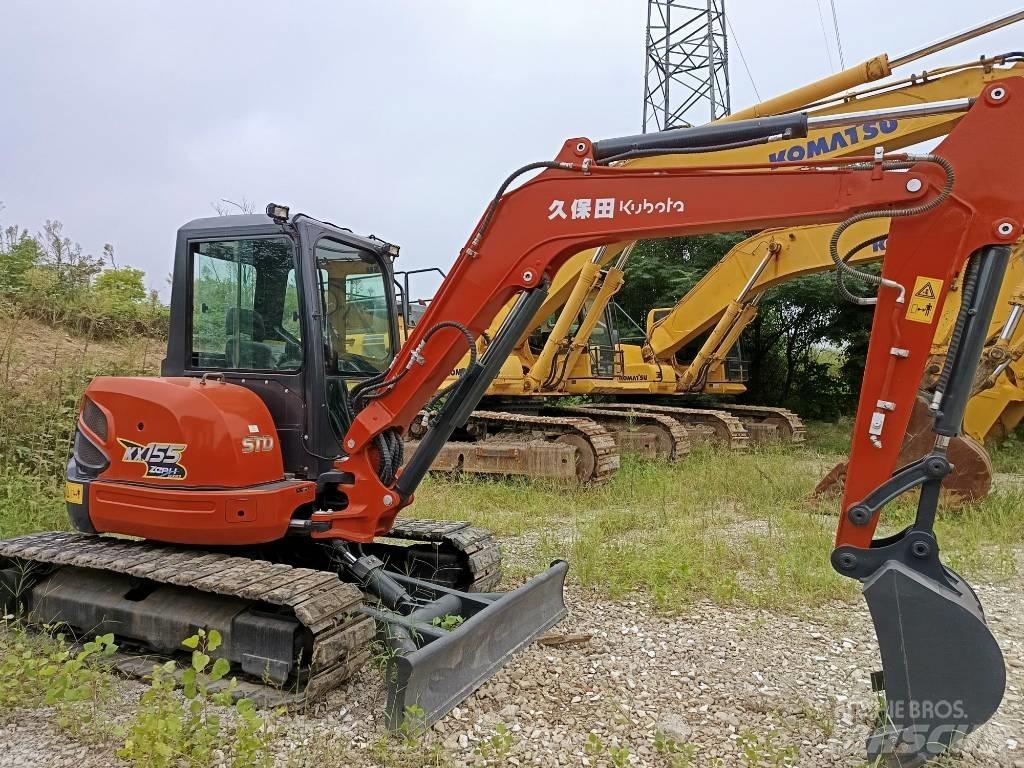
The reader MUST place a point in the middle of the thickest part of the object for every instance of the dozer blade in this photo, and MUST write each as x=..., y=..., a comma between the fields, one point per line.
x=438, y=668
x=942, y=670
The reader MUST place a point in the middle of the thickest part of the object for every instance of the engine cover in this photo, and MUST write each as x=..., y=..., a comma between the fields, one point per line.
x=178, y=431
x=181, y=460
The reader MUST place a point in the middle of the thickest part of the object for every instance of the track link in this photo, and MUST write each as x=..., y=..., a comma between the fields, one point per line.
x=327, y=607
x=670, y=438
x=790, y=426
x=728, y=430
x=545, y=447
x=481, y=553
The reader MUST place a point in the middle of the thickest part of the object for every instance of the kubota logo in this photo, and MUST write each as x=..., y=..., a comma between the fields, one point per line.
x=162, y=460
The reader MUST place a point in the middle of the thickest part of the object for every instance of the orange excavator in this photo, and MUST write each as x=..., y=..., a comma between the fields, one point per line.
x=258, y=471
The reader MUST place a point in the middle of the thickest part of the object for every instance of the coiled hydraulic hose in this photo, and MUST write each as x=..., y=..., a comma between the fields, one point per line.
x=966, y=308
x=840, y=279
x=916, y=210
x=372, y=388
x=390, y=446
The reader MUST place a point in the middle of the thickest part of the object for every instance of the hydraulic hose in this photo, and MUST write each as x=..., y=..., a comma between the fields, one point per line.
x=377, y=386
x=390, y=446
x=966, y=308
x=840, y=279
x=916, y=210
x=492, y=207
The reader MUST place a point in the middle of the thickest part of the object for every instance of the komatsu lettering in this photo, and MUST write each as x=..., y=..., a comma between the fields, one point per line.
x=831, y=144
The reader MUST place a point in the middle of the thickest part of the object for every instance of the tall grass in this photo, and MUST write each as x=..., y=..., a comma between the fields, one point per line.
x=730, y=527
x=734, y=528
x=30, y=503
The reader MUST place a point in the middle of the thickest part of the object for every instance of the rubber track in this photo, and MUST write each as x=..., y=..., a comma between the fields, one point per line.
x=797, y=429
x=600, y=440
x=739, y=438
x=483, y=555
x=322, y=602
x=680, y=439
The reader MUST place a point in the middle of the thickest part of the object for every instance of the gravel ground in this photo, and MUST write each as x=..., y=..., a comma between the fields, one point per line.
x=705, y=678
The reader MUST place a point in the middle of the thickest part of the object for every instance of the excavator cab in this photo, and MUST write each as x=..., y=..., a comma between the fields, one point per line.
x=295, y=311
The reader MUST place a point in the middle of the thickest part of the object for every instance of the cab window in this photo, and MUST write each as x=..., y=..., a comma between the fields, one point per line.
x=245, y=305
x=356, y=310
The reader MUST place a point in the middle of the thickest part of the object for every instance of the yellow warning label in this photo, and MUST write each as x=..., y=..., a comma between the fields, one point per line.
x=73, y=492
x=924, y=299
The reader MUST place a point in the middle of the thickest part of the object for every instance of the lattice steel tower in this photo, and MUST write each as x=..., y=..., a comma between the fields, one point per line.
x=687, y=64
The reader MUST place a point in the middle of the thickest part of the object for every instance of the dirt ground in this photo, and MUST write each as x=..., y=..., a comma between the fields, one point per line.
x=27, y=347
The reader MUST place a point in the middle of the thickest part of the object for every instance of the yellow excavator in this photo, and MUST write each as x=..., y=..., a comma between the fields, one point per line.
x=574, y=351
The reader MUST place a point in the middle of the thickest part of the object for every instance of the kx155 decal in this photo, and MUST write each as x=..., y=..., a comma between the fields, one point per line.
x=162, y=460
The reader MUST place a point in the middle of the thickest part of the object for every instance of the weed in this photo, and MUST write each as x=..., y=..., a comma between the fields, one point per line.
x=496, y=749
x=764, y=750
x=1008, y=455
x=679, y=754
x=830, y=437
x=323, y=749
x=594, y=745
x=414, y=725
x=448, y=622
x=822, y=717
x=39, y=670
x=387, y=752
x=614, y=753
x=166, y=732
x=619, y=756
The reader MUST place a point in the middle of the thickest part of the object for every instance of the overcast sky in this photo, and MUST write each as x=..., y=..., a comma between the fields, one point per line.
x=126, y=119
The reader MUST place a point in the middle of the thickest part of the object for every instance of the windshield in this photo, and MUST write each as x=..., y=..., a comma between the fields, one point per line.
x=357, y=320
x=245, y=305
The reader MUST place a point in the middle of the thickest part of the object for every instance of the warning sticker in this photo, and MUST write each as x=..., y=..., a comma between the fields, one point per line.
x=924, y=299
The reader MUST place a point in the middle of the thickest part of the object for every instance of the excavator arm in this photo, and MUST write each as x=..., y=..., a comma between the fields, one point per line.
x=965, y=206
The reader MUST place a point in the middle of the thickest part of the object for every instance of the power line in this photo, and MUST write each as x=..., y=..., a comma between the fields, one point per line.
x=824, y=36
x=743, y=58
x=839, y=39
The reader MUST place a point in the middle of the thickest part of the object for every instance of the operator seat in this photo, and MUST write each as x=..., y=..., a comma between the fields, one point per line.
x=246, y=326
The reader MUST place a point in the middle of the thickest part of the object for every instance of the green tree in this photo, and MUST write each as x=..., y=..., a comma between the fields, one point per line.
x=121, y=288
x=18, y=253
x=660, y=272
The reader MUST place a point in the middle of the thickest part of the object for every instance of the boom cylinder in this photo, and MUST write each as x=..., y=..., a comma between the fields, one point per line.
x=979, y=314
x=706, y=136
x=467, y=393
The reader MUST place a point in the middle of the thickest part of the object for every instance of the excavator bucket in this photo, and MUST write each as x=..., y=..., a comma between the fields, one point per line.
x=942, y=670
x=459, y=640
x=972, y=474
